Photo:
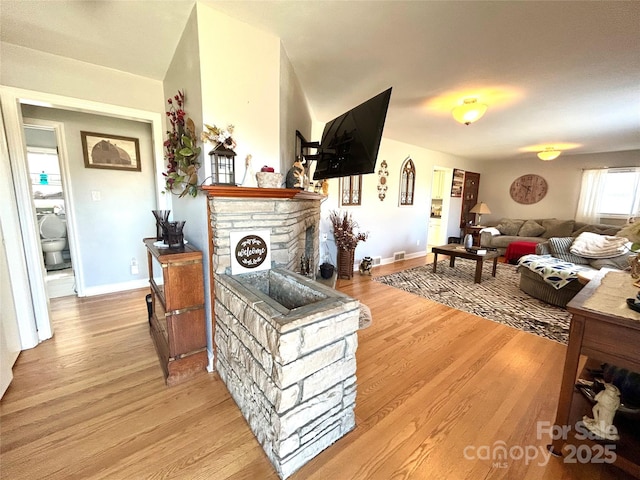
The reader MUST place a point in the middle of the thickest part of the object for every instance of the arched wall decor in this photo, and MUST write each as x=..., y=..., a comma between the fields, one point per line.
x=407, y=182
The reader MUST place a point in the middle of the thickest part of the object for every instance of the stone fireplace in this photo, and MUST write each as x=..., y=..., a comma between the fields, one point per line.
x=285, y=344
x=294, y=224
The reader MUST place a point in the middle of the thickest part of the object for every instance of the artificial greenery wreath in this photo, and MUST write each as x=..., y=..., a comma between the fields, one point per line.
x=181, y=150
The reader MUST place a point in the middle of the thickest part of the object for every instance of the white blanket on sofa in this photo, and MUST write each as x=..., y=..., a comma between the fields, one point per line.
x=593, y=245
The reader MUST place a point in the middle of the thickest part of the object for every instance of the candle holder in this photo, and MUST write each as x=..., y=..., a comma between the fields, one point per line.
x=161, y=217
x=175, y=237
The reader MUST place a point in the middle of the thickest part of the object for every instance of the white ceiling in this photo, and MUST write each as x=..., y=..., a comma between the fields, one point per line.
x=551, y=72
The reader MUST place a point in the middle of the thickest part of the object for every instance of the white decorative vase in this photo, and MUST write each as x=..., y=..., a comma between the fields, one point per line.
x=468, y=241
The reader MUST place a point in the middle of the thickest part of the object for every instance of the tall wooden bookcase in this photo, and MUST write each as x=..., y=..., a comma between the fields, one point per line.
x=469, y=198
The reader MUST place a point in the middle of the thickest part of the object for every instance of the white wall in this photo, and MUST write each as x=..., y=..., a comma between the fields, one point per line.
x=563, y=176
x=109, y=231
x=240, y=74
x=393, y=228
x=184, y=74
x=294, y=113
x=43, y=72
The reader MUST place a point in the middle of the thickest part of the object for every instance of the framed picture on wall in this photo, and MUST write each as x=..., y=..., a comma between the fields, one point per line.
x=457, y=183
x=110, y=151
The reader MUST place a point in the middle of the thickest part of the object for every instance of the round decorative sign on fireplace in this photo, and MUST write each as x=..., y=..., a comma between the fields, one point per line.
x=251, y=251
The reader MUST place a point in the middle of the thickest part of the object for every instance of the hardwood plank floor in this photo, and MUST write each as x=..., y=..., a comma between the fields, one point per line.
x=432, y=382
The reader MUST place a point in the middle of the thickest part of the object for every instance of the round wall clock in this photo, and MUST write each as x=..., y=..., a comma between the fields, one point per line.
x=528, y=189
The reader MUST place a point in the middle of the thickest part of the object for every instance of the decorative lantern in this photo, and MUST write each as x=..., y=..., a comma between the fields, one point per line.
x=222, y=165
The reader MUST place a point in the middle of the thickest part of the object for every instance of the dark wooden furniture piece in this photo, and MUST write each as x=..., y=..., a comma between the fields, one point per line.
x=602, y=337
x=469, y=198
x=178, y=318
x=454, y=250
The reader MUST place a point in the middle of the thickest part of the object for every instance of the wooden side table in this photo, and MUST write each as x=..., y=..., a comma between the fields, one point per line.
x=603, y=330
x=177, y=321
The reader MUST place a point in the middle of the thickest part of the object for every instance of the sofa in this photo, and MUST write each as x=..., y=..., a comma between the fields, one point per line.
x=551, y=274
x=508, y=230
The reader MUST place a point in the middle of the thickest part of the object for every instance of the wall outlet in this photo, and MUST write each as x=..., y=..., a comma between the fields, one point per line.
x=134, y=266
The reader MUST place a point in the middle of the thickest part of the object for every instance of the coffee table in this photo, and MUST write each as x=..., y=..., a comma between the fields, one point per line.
x=454, y=250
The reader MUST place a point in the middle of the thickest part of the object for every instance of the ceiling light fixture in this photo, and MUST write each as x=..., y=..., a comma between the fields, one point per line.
x=469, y=111
x=549, y=153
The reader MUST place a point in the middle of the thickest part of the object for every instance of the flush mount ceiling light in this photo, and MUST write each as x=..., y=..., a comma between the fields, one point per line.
x=469, y=111
x=549, y=153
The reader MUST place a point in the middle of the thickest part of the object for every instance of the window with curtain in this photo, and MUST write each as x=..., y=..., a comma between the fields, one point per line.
x=351, y=190
x=609, y=193
x=407, y=182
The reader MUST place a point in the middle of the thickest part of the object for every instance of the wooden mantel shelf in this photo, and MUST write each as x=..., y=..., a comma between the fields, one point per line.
x=230, y=191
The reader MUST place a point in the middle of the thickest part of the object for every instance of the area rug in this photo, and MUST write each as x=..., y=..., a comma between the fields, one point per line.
x=498, y=299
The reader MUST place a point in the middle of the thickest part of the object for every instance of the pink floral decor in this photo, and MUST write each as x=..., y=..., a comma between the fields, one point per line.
x=181, y=151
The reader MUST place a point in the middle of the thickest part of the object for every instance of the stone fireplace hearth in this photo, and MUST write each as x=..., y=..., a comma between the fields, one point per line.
x=286, y=351
x=285, y=344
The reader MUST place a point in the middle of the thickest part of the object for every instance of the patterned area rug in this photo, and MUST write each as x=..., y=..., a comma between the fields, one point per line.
x=498, y=299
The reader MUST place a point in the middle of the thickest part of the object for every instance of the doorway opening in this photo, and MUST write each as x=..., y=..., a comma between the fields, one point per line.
x=439, y=209
x=50, y=206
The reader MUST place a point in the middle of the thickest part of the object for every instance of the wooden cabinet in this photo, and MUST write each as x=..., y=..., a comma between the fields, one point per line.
x=469, y=198
x=177, y=321
x=601, y=332
x=438, y=185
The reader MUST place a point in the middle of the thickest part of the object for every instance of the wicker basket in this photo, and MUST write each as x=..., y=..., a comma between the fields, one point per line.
x=346, y=259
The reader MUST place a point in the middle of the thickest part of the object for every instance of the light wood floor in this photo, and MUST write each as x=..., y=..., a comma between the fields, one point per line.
x=432, y=382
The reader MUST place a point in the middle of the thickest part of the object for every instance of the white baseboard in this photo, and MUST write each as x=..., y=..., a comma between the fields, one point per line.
x=210, y=366
x=115, y=287
x=407, y=256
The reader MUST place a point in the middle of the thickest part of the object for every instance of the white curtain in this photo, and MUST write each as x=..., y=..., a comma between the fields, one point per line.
x=590, y=194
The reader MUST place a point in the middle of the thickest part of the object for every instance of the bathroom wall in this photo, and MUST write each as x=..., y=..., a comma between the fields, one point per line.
x=112, y=208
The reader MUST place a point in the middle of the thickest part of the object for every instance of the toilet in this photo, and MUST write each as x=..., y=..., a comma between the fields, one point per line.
x=53, y=231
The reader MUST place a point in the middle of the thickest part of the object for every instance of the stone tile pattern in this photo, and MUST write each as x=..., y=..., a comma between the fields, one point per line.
x=294, y=381
x=294, y=225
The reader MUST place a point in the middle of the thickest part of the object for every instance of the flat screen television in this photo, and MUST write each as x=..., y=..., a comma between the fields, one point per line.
x=350, y=142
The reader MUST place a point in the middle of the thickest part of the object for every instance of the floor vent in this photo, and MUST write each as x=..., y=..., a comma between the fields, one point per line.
x=398, y=256
x=377, y=261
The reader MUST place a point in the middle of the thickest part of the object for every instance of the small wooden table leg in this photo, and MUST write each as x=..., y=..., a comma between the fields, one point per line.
x=435, y=261
x=569, y=373
x=452, y=261
x=495, y=264
x=478, y=278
